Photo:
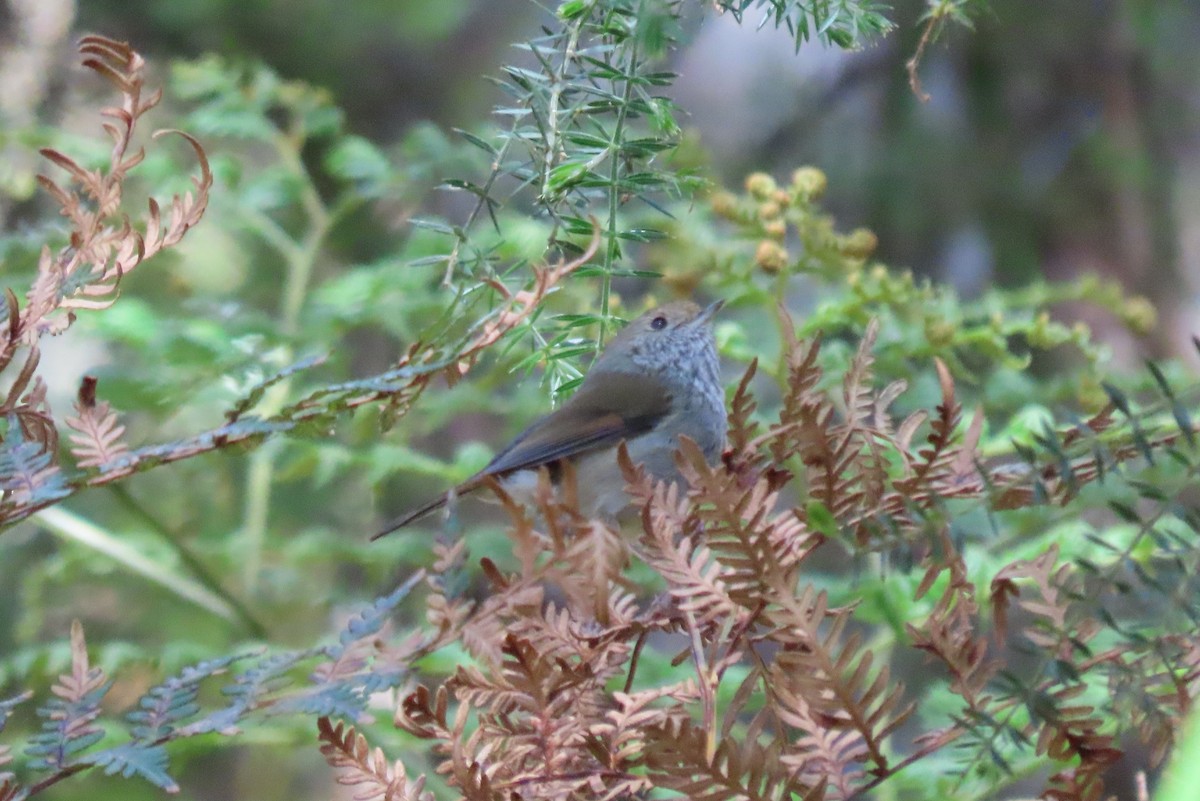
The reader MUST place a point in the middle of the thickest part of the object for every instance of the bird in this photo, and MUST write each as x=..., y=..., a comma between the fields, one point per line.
x=657, y=380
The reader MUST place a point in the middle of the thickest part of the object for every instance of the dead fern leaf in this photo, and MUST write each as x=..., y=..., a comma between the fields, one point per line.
x=98, y=441
x=365, y=769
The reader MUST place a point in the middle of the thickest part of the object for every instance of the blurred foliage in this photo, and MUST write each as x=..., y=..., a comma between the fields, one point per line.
x=322, y=242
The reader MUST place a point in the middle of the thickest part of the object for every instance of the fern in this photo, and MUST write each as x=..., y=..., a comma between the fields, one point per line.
x=266, y=684
x=167, y=705
x=366, y=770
x=98, y=442
x=28, y=475
x=816, y=712
x=138, y=759
x=68, y=720
x=6, y=709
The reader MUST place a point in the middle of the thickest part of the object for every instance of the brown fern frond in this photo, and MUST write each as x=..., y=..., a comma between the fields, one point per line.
x=184, y=210
x=526, y=678
x=1051, y=606
x=1067, y=733
x=830, y=676
x=83, y=678
x=26, y=400
x=694, y=577
x=98, y=441
x=675, y=759
x=10, y=790
x=933, y=460
x=102, y=249
x=365, y=769
x=758, y=548
x=80, y=690
x=822, y=758
x=858, y=397
x=1155, y=688
x=483, y=631
x=950, y=632
x=424, y=715
x=555, y=633
x=806, y=413
x=623, y=730
x=533, y=718
x=580, y=640
x=37, y=421
x=103, y=246
x=743, y=428
x=10, y=333
x=591, y=562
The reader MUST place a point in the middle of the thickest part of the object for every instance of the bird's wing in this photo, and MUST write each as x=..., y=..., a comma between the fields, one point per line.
x=608, y=408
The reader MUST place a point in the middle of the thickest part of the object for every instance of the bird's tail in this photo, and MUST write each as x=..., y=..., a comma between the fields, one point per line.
x=412, y=516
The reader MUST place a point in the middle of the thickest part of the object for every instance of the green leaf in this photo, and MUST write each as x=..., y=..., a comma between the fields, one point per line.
x=573, y=9
x=145, y=761
x=357, y=160
x=73, y=527
x=821, y=519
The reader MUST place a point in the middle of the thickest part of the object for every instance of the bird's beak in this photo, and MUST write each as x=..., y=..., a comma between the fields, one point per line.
x=710, y=311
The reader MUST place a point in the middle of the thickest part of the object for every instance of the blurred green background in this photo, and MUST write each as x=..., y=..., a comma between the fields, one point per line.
x=1060, y=138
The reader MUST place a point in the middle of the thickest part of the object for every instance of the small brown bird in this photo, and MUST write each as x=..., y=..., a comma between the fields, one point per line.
x=657, y=380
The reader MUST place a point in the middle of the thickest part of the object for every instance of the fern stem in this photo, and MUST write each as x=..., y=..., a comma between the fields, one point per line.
x=300, y=262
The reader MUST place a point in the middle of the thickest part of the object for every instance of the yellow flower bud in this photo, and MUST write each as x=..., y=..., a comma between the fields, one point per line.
x=760, y=185
x=1039, y=335
x=1140, y=315
x=809, y=183
x=859, y=243
x=776, y=229
x=1091, y=395
x=683, y=282
x=769, y=210
x=770, y=256
x=939, y=333
x=724, y=204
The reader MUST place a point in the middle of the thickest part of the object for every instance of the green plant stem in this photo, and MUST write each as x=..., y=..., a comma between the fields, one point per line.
x=480, y=202
x=614, y=198
x=301, y=260
x=300, y=267
x=188, y=558
x=551, y=132
x=72, y=526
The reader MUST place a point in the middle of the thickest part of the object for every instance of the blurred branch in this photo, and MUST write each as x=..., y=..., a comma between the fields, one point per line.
x=77, y=529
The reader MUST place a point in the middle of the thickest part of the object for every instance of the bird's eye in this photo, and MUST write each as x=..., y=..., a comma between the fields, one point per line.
x=658, y=323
